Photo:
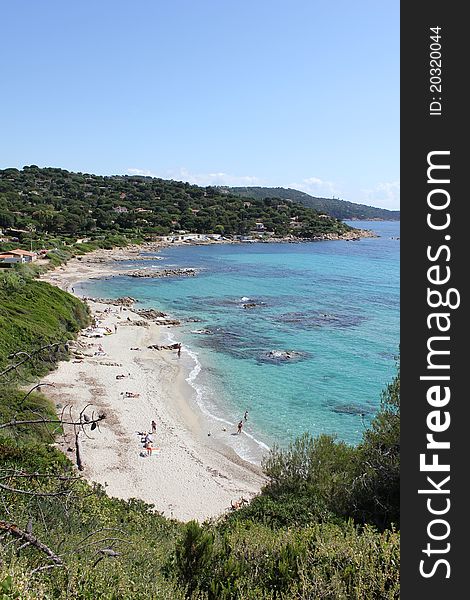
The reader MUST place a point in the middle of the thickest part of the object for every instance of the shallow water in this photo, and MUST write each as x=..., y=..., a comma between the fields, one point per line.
x=334, y=304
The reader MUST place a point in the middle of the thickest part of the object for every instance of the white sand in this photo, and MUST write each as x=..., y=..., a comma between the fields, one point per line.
x=191, y=476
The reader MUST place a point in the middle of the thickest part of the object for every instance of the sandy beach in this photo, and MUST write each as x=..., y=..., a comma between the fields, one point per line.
x=188, y=475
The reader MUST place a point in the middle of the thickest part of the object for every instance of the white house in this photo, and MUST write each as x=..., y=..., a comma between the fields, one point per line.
x=12, y=257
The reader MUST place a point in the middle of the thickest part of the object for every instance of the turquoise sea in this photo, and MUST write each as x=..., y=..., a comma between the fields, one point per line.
x=335, y=303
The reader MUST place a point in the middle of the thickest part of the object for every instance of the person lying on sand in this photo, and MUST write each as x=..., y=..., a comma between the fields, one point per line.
x=134, y=348
x=122, y=376
x=130, y=394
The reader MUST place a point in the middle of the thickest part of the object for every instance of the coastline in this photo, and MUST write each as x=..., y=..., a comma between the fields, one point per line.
x=191, y=476
x=102, y=263
x=194, y=475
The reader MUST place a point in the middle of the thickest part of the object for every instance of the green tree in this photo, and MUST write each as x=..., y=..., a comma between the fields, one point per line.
x=377, y=488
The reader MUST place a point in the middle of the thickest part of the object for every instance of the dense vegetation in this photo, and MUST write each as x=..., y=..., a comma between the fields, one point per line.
x=49, y=204
x=34, y=314
x=324, y=526
x=341, y=209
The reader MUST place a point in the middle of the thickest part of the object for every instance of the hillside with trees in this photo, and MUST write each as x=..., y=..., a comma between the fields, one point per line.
x=53, y=202
x=339, y=209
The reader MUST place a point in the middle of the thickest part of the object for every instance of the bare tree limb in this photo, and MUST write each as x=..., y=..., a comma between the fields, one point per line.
x=38, y=385
x=44, y=568
x=87, y=537
x=24, y=536
x=13, y=473
x=29, y=356
x=105, y=553
x=15, y=423
x=34, y=493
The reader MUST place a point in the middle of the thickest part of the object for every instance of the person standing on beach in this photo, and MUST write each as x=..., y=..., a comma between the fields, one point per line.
x=179, y=350
x=154, y=427
x=240, y=426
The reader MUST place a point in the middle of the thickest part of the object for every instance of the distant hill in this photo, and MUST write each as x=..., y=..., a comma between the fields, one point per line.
x=340, y=209
x=55, y=202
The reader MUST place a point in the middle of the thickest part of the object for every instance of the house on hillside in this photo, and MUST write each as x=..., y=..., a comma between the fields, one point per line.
x=13, y=257
x=7, y=259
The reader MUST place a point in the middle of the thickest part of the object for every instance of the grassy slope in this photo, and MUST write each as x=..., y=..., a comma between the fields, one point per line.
x=33, y=314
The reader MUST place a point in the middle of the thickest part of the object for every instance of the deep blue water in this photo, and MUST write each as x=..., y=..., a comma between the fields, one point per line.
x=334, y=303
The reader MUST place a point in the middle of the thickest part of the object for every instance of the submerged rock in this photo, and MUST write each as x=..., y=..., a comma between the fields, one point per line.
x=283, y=356
x=350, y=409
x=314, y=319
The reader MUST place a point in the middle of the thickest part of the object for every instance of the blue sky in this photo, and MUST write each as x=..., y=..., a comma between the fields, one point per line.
x=299, y=93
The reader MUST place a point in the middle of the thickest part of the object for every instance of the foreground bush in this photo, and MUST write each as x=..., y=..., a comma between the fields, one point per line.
x=318, y=561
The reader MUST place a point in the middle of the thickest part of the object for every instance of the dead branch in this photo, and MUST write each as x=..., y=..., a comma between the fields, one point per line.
x=91, y=534
x=28, y=356
x=34, y=493
x=32, y=540
x=15, y=423
x=44, y=568
x=105, y=553
x=13, y=473
x=37, y=386
x=77, y=451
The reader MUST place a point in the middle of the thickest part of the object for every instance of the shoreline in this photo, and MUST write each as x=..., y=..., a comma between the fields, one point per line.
x=191, y=476
x=189, y=458
x=102, y=263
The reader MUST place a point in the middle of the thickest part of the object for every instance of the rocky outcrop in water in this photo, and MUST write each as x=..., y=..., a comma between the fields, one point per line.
x=168, y=347
x=177, y=272
x=124, y=301
x=150, y=313
x=157, y=316
x=283, y=355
